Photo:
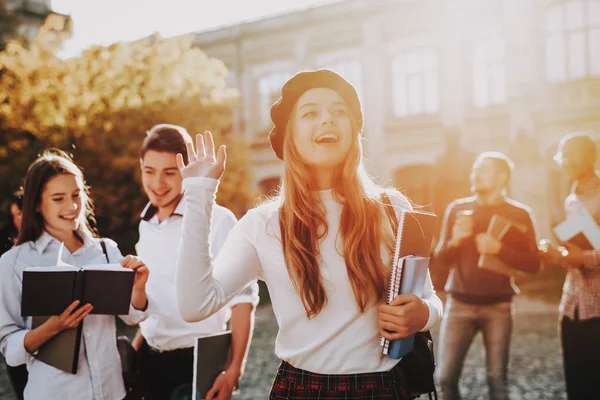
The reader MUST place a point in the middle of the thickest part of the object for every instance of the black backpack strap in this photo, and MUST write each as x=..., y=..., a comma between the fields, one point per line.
x=103, y=245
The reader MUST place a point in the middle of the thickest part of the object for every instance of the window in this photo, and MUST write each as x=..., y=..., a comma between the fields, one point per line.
x=415, y=83
x=489, y=73
x=573, y=40
x=269, y=90
x=351, y=71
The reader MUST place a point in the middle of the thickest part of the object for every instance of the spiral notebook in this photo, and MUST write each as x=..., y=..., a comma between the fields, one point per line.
x=413, y=243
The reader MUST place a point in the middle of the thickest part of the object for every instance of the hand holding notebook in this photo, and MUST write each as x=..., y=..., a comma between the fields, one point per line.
x=501, y=229
x=412, y=281
x=579, y=229
x=212, y=356
x=409, y=269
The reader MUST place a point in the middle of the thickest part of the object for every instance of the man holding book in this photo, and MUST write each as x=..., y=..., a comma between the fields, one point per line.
x=485, y=238
x=167, y=351
x=580, y=304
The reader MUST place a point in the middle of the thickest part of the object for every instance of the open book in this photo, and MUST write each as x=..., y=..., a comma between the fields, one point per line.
x=409, y=266
x=212, y=356
x=580, y=229
x=504, y=230
x=50, y=290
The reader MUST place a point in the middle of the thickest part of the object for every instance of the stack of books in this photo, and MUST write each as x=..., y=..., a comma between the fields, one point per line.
x=409, y=267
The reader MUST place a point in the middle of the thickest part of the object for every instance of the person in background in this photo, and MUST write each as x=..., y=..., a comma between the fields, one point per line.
x=12, y=224
x=580, y=304
x=8, y=237
x=480, y=299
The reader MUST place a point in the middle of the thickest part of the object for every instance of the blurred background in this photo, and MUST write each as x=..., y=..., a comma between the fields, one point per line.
x=440, y=81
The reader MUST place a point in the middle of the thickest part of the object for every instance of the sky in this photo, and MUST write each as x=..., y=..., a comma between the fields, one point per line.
x=107, y=21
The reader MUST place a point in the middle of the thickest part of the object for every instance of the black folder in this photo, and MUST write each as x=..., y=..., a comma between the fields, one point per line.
x=62, y=351
x=417, y=233
x=212, y=356
x=50, y=290
x=508, y=232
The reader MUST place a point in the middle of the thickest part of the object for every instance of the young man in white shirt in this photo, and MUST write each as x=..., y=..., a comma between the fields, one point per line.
x=166, y=353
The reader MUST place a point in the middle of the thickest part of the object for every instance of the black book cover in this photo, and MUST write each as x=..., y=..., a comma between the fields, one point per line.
x=581, y=241
x=510, y=233
x=50, y=290
x=211, y=357
x=417, y=233
x=62, y=351
x=108, y=291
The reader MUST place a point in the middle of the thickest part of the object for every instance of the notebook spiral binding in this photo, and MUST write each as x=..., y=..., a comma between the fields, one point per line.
x=396, y=273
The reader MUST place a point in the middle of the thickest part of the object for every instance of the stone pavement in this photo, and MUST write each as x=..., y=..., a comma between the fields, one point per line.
x=535, y=369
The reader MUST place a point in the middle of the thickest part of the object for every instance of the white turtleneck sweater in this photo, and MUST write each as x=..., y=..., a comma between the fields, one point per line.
x=339, y=340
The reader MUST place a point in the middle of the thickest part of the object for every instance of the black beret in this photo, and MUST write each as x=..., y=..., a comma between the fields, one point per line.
x=295, y=87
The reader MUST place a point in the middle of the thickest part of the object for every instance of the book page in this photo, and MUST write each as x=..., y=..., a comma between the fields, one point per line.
x=106, y=267
x=52, y=268
x=576, y=223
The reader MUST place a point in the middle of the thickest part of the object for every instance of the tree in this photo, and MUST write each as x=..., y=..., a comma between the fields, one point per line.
x=99, y=106
x=8, y=24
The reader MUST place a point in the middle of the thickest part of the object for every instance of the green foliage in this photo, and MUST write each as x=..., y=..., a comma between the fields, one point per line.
x=98, y=106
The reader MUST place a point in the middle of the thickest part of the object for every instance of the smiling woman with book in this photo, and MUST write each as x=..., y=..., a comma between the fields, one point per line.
x=56, y=208
x=323, y=247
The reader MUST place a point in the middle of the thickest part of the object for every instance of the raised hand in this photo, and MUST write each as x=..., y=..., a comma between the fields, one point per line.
x=203, y=163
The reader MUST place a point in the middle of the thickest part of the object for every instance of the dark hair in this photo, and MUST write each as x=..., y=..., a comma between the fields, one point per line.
x=49, y=165
x=166, y=138
x=503, y=163
x=10, y=232
x=17, y=199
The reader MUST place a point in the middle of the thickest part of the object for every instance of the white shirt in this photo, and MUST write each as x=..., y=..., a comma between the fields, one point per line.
x=158, y=246
x=339, y=340
x=99, y=374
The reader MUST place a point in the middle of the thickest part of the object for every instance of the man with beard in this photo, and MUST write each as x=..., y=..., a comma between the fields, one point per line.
x=480, y=299
x=580, y=304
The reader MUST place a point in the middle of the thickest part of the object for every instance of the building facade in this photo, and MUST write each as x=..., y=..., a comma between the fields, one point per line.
x=439, y=81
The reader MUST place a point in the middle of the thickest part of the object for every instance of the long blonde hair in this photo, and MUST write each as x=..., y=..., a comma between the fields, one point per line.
x=303, y=223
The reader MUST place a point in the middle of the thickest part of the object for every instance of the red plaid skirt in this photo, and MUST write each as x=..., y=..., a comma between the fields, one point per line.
x=293, y=383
